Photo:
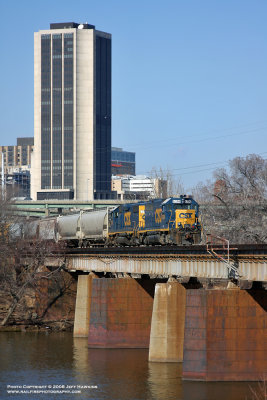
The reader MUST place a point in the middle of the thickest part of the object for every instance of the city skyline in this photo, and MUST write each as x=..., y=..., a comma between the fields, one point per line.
x=188, y=79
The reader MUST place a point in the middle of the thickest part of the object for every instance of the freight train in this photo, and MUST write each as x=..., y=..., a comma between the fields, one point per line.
x=154, y=222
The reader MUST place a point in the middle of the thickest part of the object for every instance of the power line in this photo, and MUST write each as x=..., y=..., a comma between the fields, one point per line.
x=197, y=166
x=206, y=139
x=198, y=134
x=141, y=146
x=189, y=167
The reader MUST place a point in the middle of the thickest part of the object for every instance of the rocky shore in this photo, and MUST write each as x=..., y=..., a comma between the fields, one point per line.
x=47, y=305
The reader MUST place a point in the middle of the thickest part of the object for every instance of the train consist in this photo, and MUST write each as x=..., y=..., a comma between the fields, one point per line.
x=155, y=222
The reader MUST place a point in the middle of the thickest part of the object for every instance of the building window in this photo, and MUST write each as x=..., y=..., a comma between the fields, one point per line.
x=45, y=109
x=68, y=111
x=57, y=112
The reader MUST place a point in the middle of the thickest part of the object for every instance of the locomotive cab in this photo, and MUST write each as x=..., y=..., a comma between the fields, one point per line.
x=183, y=220
x=155, y=222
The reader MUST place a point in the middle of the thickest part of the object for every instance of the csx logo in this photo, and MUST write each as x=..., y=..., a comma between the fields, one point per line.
x=127, y=219
x=185, y=215
x=158, y=216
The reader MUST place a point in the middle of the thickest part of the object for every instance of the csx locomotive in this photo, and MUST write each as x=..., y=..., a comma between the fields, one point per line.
x=171, y=221
x=154, y=222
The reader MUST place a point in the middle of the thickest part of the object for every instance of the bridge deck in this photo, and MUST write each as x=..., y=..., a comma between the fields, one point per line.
x=183, y=261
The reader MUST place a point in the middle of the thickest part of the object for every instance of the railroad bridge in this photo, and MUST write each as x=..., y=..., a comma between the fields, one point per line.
x=198, y=305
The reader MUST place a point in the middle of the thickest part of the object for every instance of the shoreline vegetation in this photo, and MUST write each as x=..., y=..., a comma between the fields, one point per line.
x=47, y=327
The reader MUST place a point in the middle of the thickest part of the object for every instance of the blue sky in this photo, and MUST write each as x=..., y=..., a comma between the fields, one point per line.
x=188, y=77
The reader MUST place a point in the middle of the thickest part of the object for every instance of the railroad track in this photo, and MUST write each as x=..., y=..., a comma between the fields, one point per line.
x=247, y=262
x=243, y=251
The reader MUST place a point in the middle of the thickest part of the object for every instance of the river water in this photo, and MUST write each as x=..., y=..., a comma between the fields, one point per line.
x=57, y=361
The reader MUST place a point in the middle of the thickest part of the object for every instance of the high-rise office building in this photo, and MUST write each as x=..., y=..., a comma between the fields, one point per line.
x=72, y=113
x=122, y=162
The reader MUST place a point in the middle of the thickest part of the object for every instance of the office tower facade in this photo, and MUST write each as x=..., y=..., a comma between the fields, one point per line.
x=72, y=113
x=122, y=162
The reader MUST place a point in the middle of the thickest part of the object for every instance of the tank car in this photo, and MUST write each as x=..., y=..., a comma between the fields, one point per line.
x=39, y=229
x=93, y=227
x=67, y=229
x=15, y=231
x=83, y=229
x=31, y=229
x=48, y=229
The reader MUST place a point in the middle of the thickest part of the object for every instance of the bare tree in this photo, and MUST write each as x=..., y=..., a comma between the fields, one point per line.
x=260, y=391
x=22, y=270
x=234, y=204
x=167, y=185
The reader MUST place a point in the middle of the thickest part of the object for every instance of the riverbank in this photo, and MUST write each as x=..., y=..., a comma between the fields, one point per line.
x=46, y=305
x=66, y=326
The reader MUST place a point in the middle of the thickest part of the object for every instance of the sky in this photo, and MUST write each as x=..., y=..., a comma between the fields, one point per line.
x=189, y=77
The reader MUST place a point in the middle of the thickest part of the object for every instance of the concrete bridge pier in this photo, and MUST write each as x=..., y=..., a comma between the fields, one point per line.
x=121, y=310
x=225, y=335
x=114, y=312
x=83, y=305
x=167, y=325
x=219, y=334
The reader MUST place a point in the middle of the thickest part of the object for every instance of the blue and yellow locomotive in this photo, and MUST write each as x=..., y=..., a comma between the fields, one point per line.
x=170, y=221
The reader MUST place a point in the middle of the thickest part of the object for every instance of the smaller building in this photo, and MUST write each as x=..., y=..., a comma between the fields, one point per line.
x=17, y=156
x=122, y=162
x=25, y=141
x=19, y=180
x=139, y=187
x=17, y=163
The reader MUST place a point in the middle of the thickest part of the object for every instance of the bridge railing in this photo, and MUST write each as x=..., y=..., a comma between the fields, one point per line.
x=217, y=243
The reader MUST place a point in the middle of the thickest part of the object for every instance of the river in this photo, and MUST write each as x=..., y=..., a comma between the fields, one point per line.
x=62, y=367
